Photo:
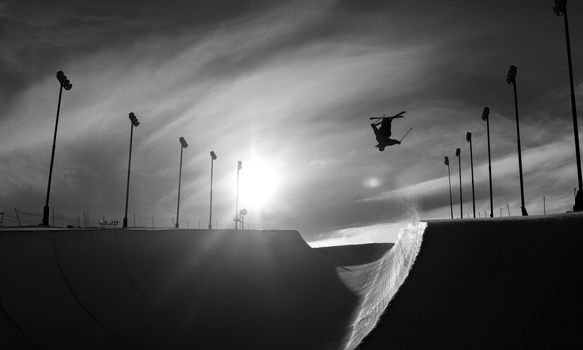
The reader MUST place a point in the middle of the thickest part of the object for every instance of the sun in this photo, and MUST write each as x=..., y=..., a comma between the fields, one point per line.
x=258, y=184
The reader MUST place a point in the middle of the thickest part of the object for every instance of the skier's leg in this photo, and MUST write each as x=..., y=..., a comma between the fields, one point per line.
x=375, y=129
x=386, y=127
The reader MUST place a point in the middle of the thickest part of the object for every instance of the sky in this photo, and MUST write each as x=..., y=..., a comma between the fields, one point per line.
x=287, y=88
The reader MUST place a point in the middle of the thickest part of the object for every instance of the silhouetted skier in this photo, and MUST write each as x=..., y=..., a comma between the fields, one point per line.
x=383, y=134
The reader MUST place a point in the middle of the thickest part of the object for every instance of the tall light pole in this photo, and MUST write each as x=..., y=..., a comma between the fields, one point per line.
x=459, y=158
x=560, y=9
x=446, y=161
x=239, y=167
x=243, y=213
x=183, y=145
x=213, y=157
x=134, y=122
x=511, y=80
x=64, y=84
x=485, y=117
x=469, y=139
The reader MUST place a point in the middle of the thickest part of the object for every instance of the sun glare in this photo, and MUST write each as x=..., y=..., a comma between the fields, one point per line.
x=259, y=182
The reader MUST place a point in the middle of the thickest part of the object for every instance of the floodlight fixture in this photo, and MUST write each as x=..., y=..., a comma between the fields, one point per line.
x=64, y=81
x=560, y=7
x=485, y=113
x=134, y=119
x=183, y=142
x=511, y=76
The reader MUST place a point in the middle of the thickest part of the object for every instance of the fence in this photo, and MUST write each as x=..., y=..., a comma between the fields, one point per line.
x=14, y=217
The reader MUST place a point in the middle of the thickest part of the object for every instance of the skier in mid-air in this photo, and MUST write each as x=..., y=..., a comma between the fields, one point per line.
x=383, y=134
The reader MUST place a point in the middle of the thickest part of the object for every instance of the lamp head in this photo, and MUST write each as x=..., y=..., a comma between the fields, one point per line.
x=511, y=76
x=485, y=113
x=560, y=7
x=134, y=119
x=65, y=83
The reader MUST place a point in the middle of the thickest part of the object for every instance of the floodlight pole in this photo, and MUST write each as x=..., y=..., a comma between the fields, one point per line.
x=485, y=116
x=213, y=157
x=449, y=179
x=66, y=84
x=469, y=139
x=46, y=210
x=179, y=180
x=459, y=157
x=134, y=122
x=239, y=166
x=183, y=145
x=511, y=79
x=560, y=9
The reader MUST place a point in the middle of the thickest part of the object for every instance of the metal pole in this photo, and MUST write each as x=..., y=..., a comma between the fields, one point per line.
x=544, y=206
x=523, y=208
x=579, y=197
x=472, y=167
x=18, y=218
x=211, y=200
x=490, y=168
x=125, y=216
x=450, y=197
x=237, y=200
x=179, y=180
x=460, y=172
x=46, y=209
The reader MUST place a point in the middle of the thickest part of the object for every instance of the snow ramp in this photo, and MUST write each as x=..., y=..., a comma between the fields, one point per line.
x=503, y=283
x=179, y=289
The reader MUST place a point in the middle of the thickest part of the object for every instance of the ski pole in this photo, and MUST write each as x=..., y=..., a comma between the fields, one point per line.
x=402, y=138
